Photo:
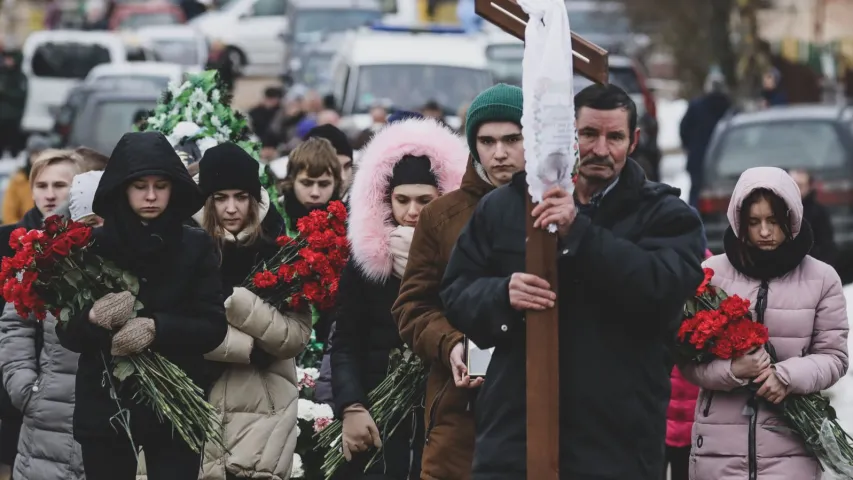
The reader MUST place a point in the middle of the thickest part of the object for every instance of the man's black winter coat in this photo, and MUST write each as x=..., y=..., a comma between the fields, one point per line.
x=623, y=277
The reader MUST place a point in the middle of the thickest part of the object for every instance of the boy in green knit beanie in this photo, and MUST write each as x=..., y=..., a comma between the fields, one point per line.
x=493, y=131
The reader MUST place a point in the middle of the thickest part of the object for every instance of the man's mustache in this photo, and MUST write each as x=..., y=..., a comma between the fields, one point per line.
x=598, y=160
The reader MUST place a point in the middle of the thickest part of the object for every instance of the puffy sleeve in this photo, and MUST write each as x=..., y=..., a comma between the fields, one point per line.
x=714, y=375
x=827, y=360
x=19, y=362
x=282, y=334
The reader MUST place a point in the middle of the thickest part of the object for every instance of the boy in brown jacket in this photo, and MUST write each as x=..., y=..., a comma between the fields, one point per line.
x=493, y=131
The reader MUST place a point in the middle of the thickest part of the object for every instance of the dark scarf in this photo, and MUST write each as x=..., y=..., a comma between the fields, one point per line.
x=139, y=246
x=766, y=265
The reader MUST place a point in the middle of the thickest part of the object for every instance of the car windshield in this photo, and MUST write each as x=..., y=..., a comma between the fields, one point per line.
x=409, y=87
x=182, y=52
x=505, y=62
x=599, y=22
x=113, y=119
x=139, y=20
x=68, y=59
x=785, y=144
x=312, y=24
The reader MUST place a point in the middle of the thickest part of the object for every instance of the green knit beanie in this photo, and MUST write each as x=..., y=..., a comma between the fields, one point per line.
x=500, y=103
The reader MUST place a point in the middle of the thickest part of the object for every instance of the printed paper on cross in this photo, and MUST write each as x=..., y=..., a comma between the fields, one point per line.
x=542, y=328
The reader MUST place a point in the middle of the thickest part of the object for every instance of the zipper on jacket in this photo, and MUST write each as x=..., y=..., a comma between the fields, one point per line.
x=707, y=409
x=433, y=410
x=753, y=424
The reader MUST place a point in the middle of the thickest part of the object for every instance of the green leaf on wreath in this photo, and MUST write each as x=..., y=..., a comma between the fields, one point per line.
x=137, y=306
x=124, y=368
x=65, y=314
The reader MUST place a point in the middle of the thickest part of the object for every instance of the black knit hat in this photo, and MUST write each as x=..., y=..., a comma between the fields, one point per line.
x=228, y=167
x=335, y=136
x=412, y=170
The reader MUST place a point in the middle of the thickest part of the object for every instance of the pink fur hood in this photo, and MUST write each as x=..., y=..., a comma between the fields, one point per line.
x=370, y=223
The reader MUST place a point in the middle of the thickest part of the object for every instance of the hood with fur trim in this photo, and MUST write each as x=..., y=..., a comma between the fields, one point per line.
x=370, y=223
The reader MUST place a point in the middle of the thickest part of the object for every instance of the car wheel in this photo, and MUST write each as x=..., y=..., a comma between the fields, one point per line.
x=237, y=60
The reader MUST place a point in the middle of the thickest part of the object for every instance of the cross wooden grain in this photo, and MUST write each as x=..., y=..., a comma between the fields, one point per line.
x=542, y=328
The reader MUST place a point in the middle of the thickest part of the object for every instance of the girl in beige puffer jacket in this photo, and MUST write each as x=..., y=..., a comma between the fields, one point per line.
x=257, y=393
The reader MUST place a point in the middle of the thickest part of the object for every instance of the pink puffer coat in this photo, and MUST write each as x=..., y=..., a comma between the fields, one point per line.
x=807, y=318
x=681, y=410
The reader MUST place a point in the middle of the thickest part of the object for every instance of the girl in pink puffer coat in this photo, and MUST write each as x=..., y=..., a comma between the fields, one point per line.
x=736, y=434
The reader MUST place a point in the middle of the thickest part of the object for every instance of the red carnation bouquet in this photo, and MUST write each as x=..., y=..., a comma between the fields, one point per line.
x=304, y=273
x=718, y=326
x=53, y=271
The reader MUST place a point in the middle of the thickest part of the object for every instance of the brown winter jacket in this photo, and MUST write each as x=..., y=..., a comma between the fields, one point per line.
x=449, y=448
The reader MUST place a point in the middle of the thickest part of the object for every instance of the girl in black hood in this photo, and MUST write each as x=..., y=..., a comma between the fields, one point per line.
x=144, y=197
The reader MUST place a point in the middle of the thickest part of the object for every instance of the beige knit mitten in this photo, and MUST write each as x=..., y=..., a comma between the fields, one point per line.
x=112, y=310
x=134, y=337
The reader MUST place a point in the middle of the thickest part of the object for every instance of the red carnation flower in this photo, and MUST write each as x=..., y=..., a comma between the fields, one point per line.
x=338, y=210
x=16, y=236
x=703, y=287
x=265, y=279
x=283, y=240
x=735, y=307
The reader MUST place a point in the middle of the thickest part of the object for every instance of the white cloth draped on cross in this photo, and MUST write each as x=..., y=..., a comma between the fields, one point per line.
x=548, y=122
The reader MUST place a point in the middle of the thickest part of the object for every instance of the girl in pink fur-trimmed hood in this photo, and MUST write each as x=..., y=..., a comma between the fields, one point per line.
x=404, y=167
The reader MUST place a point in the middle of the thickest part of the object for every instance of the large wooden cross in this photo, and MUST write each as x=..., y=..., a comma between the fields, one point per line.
x=543, y=374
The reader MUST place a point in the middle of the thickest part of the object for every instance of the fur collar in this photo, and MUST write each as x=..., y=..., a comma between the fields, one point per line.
x=370, y=223
x=228, y=236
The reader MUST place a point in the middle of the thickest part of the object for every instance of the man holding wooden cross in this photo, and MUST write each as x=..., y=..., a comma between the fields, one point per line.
x=629, y=254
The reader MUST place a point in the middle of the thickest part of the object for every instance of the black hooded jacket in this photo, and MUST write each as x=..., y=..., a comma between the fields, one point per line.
x=624, y=274
x=180, y=286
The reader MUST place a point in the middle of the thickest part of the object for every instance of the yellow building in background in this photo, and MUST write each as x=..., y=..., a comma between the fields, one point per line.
x=445, y=12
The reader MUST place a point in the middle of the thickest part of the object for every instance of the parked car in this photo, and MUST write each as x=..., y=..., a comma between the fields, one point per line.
x=817, y=138
x=251, y=30
x=131, y=16
x=55, y=61
x=78, y=96
x=311, y=21
x=409, y=67
x=179, y=44
x=159, y=73
x=106, y=116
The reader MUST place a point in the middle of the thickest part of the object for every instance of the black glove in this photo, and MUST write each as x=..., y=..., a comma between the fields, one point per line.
x=260, y=359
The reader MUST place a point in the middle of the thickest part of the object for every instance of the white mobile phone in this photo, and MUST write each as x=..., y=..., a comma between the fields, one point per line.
x=477, y=359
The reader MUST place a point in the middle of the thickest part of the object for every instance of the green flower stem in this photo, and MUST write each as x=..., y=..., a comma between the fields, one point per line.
x=389, y=402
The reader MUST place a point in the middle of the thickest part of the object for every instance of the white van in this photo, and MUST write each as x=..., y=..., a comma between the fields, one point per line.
x=408, y=67
x=55, y=61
